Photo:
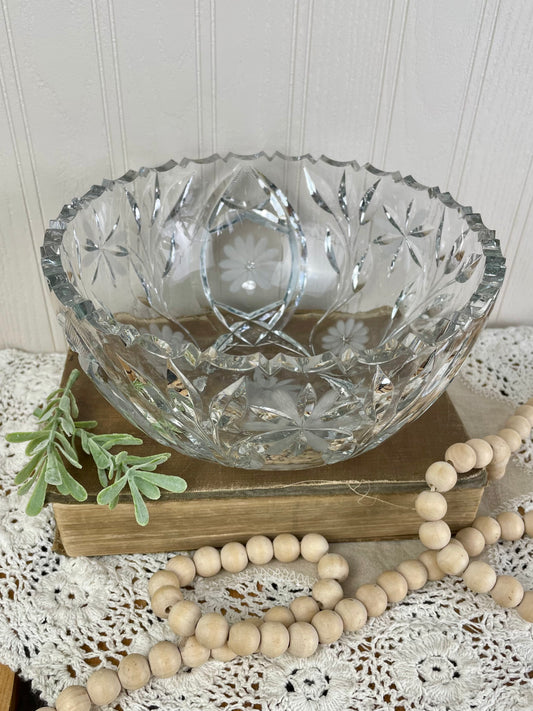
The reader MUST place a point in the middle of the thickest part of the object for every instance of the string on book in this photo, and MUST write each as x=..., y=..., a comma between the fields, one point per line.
x=355, y=488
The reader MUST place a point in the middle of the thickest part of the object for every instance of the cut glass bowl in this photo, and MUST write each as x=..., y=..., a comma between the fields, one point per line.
x=270, y=312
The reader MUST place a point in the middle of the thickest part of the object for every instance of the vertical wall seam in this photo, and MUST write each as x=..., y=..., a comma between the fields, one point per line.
x=198, y=58
x=214, y=141
x=118, y=85
x=103, y=90
x=22, y=104
x=307, y=63
x=479, y=95
x=465, y=96
x=395, y=84
x=18, y=161
x=292, y=70
x=384, y=61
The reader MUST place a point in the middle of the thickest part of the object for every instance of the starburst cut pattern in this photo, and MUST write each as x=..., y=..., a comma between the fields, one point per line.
x=346, y=333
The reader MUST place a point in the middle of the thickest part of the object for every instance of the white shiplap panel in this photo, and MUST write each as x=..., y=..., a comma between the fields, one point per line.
x=344, y=79
x=494, y=176
x=252, y=83
x=440, y=44
x=24, y=319
x=157, y=78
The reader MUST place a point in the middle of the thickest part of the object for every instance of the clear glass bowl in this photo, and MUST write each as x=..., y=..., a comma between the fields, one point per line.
x=270, y=312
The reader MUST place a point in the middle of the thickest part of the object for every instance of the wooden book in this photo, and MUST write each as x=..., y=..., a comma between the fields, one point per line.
x=369, y=497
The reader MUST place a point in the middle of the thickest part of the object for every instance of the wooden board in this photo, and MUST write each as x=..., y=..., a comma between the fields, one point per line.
x=368, y=497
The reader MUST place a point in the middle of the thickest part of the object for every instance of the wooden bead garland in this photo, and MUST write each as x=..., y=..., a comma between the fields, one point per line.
x=322, y=618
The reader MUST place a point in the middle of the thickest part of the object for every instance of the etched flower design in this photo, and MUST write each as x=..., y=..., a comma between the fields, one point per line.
x=320, y=683
x=176, y=339
x=261, y=386
x=324, y=424
x=249, y=264
x=402, y=230
x=346, y=333
x=437, y=669
x=103, y=252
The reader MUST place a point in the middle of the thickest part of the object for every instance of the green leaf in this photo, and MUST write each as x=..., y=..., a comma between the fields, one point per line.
x=73, y=487
x=36, y=502
x=110, y=492
x=151, y=491
x=37, y=444
x=24, y=436
x=64, y=404
x=28, y=468
x=102, y=477
x=67, y=423
x=141, y=511
x=73, y=405
x=107, y=441
x=101, y=458
x=52, y=473
x=166, y=481
x=85, y=424
x=68, y=450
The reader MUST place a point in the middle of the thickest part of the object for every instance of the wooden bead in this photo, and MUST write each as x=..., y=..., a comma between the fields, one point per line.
x=512, y=525
x=183, y=567
x=434, y=534
x=352, y=612
x=373, y=597
x=193, y=654
x=223, y=654
x=394, y=584
x=528, y=522
x=233, y=557
x=327, y=592
x=496, y=471
x=164, y=599
x=479, y=577
x=441, y=476
x=279, y=614
x=260, y=550
x=207, y=561
x=73, y=698
x=512, y=438
x=483, y=452
x=286, y=548
x=525, y=609
x=304, y=608
x=134, y=671
x=489, y=527
x=452, y=559
x=429, y=560
x=520, y=424
x=333, y=565
x=103, y=686
x=461, y=456
x=500, y=449
x=329, y=626
x=244, y=638
x=414, y=572
x=527, y=412
x=507, y=592
x=163, y=578
x=274, y=639
x=303, y=639
x=164, y=659
x=212, y=630
x=430, y=505
x=313, y=546
x=472, y=540
x=183, y=617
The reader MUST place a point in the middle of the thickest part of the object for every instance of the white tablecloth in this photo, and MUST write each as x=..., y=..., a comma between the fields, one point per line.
x=441, y=648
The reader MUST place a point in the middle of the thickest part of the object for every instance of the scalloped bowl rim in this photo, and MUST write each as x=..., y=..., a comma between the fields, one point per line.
x=106, y=324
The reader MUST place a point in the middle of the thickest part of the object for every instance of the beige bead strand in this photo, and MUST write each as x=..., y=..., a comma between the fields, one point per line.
x=512, y=438
x=303, y=639
x=472, y=540
x=163, y=578
x=286, y=548
x=279, y=614
x=520, y=424
x=183, y=567
x=452, y=559
x=329, y=626
x=73, y=698
x=373, y=597
x=274, y=639
x=193, y=654
x=527, y=412
x=304, y=608
x=183, y=617
x=244, y=638
x=528, y=522
x=479, y=577
x=525, y=608
x=414, y=572
x=313, y=546
x=164, y=659
x=207, y=561
x=327, y=592
x=430, y=505
x=511, y=524
x=483, y=452
x=507, y=591
x=394, y=584
x=434, y=534
x=441, y=476
x=164, y=599
x=212, y=630
x=260, y=550
x=233, y=557
x=103, y=686
x=333, y=565
x=489, y=527
x=134, y=671
x=461, y=456
x=353, y=613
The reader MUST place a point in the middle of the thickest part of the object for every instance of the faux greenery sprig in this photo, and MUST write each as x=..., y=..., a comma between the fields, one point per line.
x=55, y=442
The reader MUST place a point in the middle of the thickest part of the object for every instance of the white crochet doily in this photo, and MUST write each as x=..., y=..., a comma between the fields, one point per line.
x=441, y=649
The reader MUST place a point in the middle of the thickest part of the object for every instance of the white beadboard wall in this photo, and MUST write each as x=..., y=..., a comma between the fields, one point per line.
x=442, y=90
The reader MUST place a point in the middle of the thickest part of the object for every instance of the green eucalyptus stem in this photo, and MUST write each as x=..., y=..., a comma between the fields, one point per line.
x=54, y=444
